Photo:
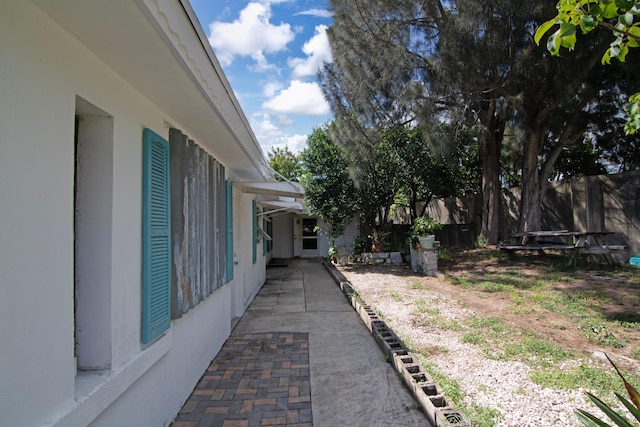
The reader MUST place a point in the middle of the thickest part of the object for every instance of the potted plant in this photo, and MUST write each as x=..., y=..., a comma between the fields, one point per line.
x=378, y=239
x=424, y=228
x=333, y=254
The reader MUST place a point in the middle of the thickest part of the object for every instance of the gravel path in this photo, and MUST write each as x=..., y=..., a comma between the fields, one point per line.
x=502, y=386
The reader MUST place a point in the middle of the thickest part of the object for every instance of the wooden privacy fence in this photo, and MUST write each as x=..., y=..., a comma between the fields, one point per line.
x=460, y=235
x=608, y=203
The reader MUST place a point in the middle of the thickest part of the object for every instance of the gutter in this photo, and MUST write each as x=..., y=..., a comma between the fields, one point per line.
x=251, y=148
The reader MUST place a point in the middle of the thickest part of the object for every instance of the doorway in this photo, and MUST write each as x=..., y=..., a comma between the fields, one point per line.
x=309, y=237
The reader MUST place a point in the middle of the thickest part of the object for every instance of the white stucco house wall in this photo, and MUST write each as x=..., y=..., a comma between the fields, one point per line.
x=121, y=140
x=297, y=235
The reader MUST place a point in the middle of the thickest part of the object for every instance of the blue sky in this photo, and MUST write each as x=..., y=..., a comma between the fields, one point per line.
x=271, y=51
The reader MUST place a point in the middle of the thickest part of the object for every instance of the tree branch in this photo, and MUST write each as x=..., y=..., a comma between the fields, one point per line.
x=614, y=29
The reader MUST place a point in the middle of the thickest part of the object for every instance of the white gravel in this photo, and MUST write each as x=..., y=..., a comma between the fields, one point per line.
x=498, y=385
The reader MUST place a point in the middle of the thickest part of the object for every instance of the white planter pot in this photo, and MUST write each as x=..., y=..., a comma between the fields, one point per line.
x=427, y=241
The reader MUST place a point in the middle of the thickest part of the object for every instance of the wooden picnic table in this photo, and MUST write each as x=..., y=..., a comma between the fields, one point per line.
x=578, y=242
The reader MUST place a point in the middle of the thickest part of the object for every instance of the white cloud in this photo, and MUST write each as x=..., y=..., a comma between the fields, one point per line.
x=250, y=35
x=299, y=98
x=297, y=143
x=261, y=64
x=270, y=131
x=318, y=51
x=271, y=88
x=320, y=13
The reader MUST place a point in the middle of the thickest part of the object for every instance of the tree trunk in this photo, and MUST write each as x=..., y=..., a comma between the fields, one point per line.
x=532, y=188
x=535, y=177
x=413, y=204
x=490, y=150
x=491, y=197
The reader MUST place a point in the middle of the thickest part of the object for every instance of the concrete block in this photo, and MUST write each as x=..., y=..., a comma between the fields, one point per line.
x=424, y=261
x=439, y=401
x=449, y=417
x=381, y=257
x=396, y=257
x=368, y=256
x=430, y=389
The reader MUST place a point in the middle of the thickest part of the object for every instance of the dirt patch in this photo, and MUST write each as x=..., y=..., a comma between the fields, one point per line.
x=612, y=294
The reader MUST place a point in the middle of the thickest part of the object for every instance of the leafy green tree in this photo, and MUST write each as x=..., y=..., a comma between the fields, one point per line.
x=464, y=159
x=424, y=176
x=600, y=147
x=377, y=178
x=329, y=190
x=517, y=91
x=621, y=17
x=470, y=63
x=399, y=62
x=402, y=170
x=286, y=163
x=579, y=160
x=619, y=151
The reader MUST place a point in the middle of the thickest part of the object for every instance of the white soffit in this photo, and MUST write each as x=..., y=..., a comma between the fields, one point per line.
x=285, y=189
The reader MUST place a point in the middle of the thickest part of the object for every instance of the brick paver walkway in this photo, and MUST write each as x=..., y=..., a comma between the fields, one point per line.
x=255, y=380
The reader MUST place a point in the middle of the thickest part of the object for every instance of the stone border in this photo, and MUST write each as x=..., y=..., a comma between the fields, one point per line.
x=425, y=391
x=381, y=258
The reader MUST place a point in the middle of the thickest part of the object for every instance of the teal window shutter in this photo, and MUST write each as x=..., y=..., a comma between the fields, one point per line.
x=229, y=229
x=156, y=236
x=264, y=228
x=254, y=215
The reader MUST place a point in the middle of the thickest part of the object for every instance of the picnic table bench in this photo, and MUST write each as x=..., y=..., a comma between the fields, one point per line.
x=576, y=242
